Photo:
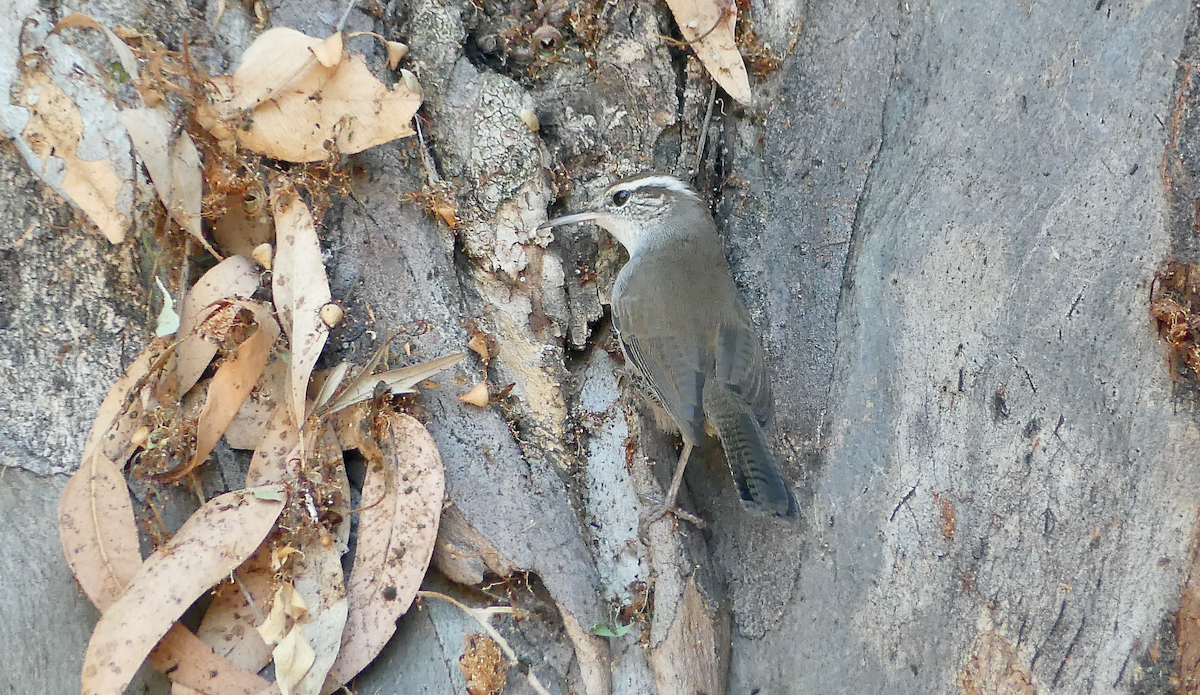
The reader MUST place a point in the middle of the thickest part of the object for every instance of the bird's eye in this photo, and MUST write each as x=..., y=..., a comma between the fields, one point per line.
x=620, y=198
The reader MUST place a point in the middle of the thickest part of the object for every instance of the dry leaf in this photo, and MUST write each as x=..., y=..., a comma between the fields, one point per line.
x=250, y=424
x=329, y=51
x=402, y=502
x=209, y=545
x=477, y=396
x=99, y=536
x=331, y=381
x=231, y=385
x=300, y=290
x=396, y=381
x=277, y=60
x=128, y=61
x=118, y=417
x=52, y=135
x=396, y=52
x=279, y=443
x=708, y=26
x=229, y=623
x=294, y=658
x=174, y=168
x=322, y=586
x=316, y=95
x=243, y=228
x=188, y=661
x=234, y=277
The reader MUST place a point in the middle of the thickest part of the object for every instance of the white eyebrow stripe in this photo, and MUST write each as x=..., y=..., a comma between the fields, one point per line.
x=657, y=181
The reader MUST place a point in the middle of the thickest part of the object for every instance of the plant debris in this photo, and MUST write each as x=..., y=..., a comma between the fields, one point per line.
x=1175, y=304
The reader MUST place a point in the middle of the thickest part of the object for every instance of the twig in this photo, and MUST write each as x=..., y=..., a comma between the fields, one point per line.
x=483, y=616
x=712, y=99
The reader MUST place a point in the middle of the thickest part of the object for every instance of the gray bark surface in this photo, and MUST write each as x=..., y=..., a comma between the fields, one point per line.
x=945, y=218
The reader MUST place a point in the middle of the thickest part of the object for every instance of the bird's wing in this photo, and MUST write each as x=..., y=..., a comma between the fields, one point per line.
x=672, y=367
x=741, y=365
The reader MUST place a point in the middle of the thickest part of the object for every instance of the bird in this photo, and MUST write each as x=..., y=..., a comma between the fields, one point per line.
x=681, y=322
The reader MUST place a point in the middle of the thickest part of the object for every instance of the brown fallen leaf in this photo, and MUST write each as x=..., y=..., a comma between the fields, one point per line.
x=708, y=26
x=52, y=134
x=220, y=536
x=300, y=289
x=231, y=385
x=251, y=421
x=294, y=659
x=234, y=277
x=188, y=661
x=119, y=415
x=96, y=525
x=477, y=396
x=243, y=228
x=229, y=623
x=402, y=502
x=173, y=164
x=279, y=443
x=316, y=94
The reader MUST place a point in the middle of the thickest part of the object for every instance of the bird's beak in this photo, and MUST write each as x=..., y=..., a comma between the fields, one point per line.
x=585, y=216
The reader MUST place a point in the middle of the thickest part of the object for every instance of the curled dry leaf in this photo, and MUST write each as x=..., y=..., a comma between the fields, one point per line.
x=396, y=381
x=477, y=396
x=300, y=289
x=173, y=164
x=708, y=26
x=231, y=385
x=51, y=138
x=294, y=659
x=316, y=94
x=234, y=277
x=220, y=536
x=402, y=502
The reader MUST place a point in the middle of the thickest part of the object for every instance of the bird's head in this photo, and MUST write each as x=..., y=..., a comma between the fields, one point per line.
x=640, y=210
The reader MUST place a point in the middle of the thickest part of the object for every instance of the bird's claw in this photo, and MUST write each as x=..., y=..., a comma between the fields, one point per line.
x=662, y=511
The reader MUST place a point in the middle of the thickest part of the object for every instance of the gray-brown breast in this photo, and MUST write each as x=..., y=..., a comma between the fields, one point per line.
x=681, y=320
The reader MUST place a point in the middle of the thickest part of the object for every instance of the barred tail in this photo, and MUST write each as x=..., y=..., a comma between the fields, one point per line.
x=759, y=482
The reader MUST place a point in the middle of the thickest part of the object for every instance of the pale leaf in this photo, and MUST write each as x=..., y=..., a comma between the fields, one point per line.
x=329, y=51
x=229, y=623
x=119, y=414
x=168, y=319
x=252, y=420
x=216, y=539
x=708, y=25
x=243, y=228
x=321, y=585
x=52, y=133
x=96, y=525
x=234, y=277
x=310, y=103
x=402, y=502
x=331, y=383
x=300, y=290
x=477, y=396
x=395, y=381
x=279, y=443
x=187, y=186
x=231, y=385
x=189, y=661
x=294, y=659
x=277, y=60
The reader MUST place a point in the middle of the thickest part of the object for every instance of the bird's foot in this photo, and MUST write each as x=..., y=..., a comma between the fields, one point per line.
x=662, y=511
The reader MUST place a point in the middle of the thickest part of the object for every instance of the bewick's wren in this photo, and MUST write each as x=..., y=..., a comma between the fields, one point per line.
x=682, y=324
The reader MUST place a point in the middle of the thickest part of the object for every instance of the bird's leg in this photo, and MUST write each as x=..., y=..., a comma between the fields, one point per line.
x=668, y=505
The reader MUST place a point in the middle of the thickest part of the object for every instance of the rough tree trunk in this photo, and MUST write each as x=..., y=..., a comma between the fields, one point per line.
x=945, y=216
